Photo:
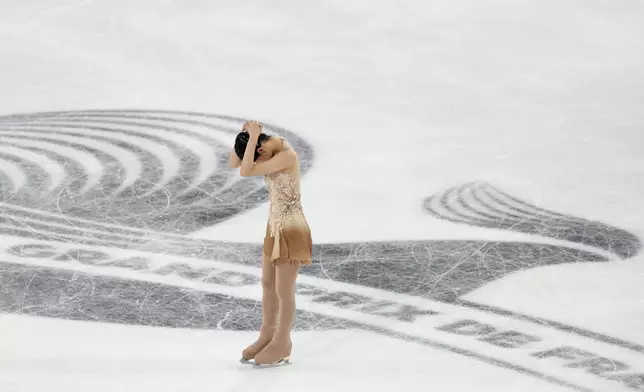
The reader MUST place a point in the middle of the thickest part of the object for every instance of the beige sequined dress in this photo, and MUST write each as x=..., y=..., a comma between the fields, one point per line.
x=288, y=236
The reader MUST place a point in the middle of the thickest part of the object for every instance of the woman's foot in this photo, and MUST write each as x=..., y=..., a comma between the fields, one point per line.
x=274, y=352
x=265, y=337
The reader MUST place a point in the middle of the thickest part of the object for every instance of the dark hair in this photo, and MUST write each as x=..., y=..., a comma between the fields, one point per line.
x=242, y=141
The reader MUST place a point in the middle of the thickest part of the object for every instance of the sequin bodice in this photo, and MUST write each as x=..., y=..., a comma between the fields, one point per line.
x=284, y=196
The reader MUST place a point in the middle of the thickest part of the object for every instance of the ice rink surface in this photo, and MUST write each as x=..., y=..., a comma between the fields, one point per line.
x=473, y=174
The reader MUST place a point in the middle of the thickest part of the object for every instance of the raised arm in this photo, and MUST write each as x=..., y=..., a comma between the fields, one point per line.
x=280, y=161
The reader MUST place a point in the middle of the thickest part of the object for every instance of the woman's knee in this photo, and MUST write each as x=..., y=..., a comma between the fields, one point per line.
x=268, y=275
x=268, y=284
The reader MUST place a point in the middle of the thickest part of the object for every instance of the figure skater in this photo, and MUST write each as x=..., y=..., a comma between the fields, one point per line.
x=287, y=243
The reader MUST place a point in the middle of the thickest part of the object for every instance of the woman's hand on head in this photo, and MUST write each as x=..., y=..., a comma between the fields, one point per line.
x=253, y=128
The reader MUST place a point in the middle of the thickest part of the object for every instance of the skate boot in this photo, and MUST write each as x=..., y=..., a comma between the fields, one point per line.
x=272, y=356
x=251, y=351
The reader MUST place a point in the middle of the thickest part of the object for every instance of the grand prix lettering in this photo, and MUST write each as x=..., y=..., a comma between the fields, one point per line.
x=135, y=264
x=366, y=308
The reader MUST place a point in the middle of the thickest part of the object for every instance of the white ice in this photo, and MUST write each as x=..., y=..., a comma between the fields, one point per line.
x=400, y=100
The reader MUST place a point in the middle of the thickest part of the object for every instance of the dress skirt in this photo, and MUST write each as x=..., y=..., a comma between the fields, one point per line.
x=291, y=242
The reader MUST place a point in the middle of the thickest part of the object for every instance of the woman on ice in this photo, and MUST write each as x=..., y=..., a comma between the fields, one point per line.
x=287, y=243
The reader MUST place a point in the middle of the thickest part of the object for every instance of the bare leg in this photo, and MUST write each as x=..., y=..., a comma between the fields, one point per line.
x=270, y=306
x=280, y=346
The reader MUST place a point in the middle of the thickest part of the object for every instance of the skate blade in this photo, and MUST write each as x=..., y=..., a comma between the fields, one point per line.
x=281, y=362
x=245, y=361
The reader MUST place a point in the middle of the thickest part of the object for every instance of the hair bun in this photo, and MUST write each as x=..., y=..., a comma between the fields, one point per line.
x=241, y=141
x=243, y=137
